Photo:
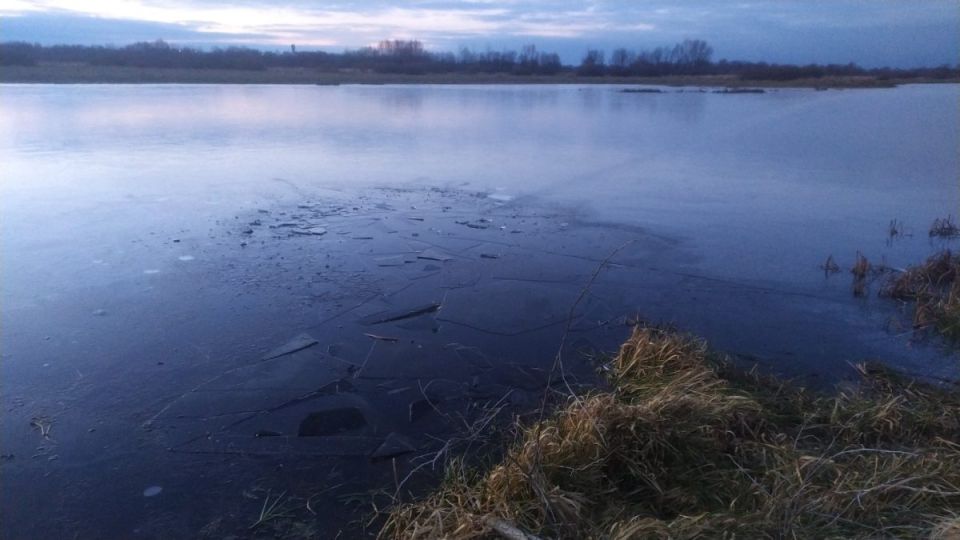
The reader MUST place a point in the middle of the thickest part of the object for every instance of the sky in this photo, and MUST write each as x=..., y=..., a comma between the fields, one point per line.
x=898, y=33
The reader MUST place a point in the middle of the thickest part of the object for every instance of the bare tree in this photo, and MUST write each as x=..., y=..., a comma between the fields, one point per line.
x=592, y=64
x=621, y=60
x=691, y=52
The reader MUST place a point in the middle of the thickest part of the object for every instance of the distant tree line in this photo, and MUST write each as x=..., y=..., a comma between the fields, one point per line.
x=690, y=57
x=694, y=57
x=395, y=56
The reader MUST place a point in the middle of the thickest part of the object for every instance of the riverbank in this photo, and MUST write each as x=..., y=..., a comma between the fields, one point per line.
x=65, y=73
x=681, y=446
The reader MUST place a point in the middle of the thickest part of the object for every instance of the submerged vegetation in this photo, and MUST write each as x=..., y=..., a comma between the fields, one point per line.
x=683, y=446
x=932, y=287
x=934, y=290
x=861, y=270
x=944, y=228
x=830, y=266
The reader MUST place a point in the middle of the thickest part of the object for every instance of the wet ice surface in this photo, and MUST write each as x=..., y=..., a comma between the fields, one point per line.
x=246, y=317
x=355, y=364
x=376, y=341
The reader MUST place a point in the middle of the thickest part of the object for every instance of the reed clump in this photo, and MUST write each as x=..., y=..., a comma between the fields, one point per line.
x=944, y=228
x=681, y=446
x=934, y=290
x=861, y=271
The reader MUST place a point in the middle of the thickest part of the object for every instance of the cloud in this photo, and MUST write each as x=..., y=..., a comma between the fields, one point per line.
x=281, y=22
x=874, y=33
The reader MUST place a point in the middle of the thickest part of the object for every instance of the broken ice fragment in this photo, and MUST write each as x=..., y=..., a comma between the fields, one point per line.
x=298, y=343
x=394, y=260
x=435, y=255
x=394, y=445
x=397, y=315
x=310, y=231
x=388, y=339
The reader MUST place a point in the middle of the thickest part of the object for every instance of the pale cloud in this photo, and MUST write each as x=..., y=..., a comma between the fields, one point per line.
x=285, y=22
x=17, y=7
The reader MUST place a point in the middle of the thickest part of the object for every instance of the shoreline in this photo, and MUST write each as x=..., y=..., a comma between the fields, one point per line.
x=706, y=449
x=88, y=74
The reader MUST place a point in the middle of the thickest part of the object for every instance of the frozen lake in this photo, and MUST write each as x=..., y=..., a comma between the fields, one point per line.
x=158, y=242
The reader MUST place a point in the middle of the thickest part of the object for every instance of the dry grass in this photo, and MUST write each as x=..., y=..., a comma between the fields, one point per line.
x=682, y=446
x=934, y=289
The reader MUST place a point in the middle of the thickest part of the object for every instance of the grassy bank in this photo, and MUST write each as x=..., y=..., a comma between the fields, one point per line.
x=680, y=446
x=66, y=73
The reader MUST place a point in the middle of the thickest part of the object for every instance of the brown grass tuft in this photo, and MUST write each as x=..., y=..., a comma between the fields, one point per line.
x=680, y=447
x=934, y=289
x=946, y=529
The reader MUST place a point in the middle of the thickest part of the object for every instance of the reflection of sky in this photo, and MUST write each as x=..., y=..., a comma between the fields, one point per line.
x=808, y=130
x=882, y=32
x=740, y=174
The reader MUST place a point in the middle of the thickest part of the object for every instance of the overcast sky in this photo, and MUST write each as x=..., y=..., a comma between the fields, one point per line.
x=870, y=32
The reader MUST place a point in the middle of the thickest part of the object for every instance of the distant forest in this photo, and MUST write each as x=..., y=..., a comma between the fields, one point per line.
x=691, y=57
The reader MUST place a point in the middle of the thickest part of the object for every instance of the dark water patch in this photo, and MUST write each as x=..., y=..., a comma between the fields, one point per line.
x=331, y=421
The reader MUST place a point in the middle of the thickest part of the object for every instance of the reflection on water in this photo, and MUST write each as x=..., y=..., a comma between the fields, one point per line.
x=901, y=139
x=831, y=167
